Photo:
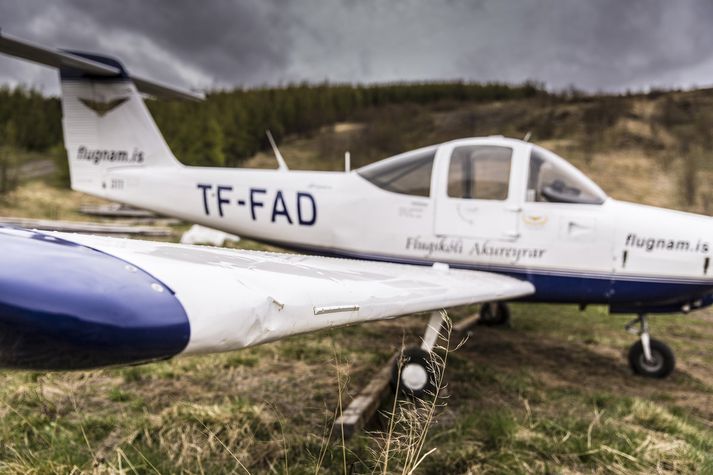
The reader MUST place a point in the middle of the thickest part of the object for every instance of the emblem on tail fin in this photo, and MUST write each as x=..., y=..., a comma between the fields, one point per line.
x=103, y=108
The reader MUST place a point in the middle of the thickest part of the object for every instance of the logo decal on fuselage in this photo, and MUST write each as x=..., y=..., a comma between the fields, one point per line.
x=534, y=219
x=665, y=244
x=102, y=108
x=459, y=247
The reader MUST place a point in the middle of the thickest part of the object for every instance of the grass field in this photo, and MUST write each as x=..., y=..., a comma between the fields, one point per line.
x=550, y=394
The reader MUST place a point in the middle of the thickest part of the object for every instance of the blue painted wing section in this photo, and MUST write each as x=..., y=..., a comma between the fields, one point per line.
x=66, y=306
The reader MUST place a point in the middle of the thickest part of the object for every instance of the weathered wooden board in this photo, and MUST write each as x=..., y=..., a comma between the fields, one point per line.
x=87, y=227
x=363, y=407
x=115, y=210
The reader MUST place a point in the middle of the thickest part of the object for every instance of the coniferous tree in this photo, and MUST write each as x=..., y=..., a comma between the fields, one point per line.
x=230, y=125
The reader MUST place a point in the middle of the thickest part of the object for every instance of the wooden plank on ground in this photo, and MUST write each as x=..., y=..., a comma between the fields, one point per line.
x=466, y=324
x=363, y=407
x=87, y=227
x=115, y=210
x=142, y=221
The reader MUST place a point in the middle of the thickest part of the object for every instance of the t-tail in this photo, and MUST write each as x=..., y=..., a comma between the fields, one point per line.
x=105, y=120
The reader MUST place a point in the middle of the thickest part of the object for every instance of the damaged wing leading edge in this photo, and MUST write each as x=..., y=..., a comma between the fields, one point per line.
x=76, y=302
x=236, y=298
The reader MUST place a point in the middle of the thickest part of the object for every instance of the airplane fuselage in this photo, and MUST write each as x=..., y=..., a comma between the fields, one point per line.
x=630, y=256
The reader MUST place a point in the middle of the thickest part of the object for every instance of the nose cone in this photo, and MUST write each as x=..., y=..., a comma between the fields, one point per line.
x=66, y=306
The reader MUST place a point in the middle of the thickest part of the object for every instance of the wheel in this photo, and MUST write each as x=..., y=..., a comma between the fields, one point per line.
x=412, y=374
x=494, y=314
x=662, y=360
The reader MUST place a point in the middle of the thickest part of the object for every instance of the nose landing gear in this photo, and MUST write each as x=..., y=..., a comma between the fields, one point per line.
x=649, y=357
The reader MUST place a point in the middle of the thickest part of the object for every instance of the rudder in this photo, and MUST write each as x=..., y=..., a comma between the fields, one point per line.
x=106, y=125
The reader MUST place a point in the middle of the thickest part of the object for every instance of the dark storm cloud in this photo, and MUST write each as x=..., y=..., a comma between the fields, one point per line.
x=614, y=44
x=592, y=44
x=241, y=42
x=244, y=40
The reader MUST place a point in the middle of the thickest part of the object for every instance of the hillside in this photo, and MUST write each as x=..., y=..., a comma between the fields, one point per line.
x=654, y=149
x=551, y=394
x=629, y=144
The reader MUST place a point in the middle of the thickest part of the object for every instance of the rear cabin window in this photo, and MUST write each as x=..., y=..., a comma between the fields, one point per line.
x=409, y=174
x=480, y=172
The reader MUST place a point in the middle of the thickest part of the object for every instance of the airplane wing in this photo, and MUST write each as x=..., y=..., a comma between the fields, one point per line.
x=74, y=301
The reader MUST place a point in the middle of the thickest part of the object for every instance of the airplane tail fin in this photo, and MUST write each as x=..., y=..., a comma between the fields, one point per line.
x=105, y=121
x=106, y=125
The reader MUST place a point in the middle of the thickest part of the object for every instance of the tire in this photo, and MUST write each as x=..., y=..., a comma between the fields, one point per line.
x=494, y=314
x=413, y=369
x=663, y=360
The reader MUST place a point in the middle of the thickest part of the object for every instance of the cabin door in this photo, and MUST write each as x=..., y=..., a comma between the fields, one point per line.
x=473, y=199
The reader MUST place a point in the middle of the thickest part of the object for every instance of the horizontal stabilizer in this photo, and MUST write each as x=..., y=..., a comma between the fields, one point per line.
x=159, y=89
x=64, y=59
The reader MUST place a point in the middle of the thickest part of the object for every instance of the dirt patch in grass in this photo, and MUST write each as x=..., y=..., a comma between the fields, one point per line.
x=575, y=366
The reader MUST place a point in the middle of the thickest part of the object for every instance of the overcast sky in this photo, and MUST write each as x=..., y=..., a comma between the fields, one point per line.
x=591, y=44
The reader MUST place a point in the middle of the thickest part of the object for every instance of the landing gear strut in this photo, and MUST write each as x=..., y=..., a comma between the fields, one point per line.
x=413, y=372
x=649, y=357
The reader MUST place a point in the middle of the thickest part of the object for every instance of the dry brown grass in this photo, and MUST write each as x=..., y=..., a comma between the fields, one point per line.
x=37, y=199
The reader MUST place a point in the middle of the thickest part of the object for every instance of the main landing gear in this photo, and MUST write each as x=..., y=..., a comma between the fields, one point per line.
x=649, y=357
x=494, y=314
x=414, y=373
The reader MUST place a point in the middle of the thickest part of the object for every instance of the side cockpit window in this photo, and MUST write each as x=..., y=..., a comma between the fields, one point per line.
x=409, y=174
x=480, y=172
x=552, y=179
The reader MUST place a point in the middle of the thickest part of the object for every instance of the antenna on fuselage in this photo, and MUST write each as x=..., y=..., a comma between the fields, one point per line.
x=347, y=161
x=527, y=136
x=281, y=165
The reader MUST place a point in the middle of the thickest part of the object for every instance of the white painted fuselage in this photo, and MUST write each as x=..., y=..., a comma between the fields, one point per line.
x=619, y=253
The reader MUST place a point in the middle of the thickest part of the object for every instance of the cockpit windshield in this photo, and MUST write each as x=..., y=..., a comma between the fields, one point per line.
x=554, y=180
x=408, y=174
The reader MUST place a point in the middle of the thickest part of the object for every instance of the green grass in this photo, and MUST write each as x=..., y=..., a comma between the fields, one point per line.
x=516, y=404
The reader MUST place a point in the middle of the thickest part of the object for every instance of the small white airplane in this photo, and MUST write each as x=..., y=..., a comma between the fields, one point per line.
x=503, y=206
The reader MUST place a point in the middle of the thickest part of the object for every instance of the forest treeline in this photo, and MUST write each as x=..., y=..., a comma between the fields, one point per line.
x=672, y=128
x=229, y=126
